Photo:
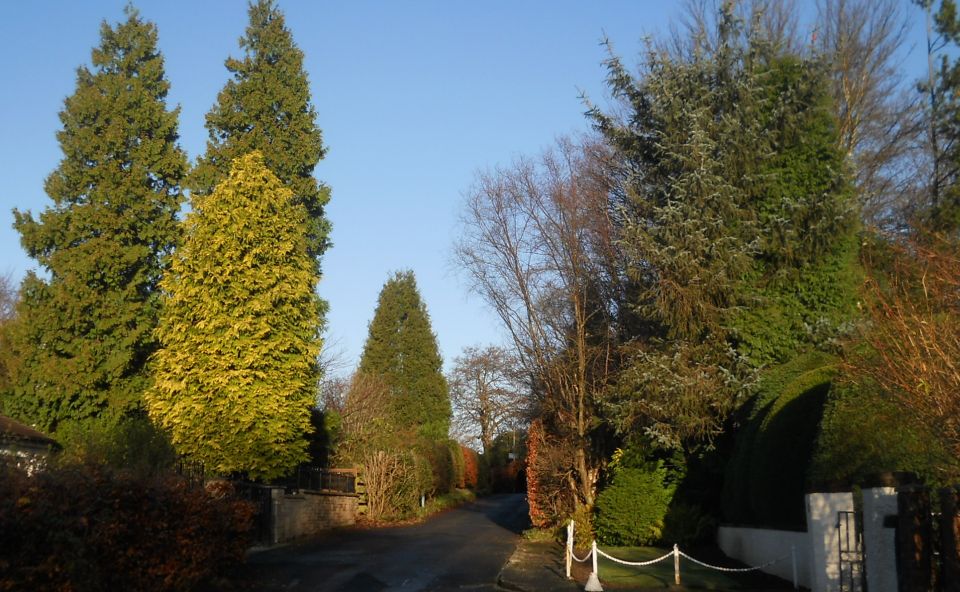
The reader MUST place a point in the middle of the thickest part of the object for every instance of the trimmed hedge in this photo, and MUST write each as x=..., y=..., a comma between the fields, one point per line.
x=766, y=477
x=846, y=452
x=89, y=528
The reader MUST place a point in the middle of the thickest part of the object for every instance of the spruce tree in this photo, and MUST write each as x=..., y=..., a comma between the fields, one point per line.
x=85, y=327
x=402, y=349
x=237, y=370
x=738, y=225
x=266, y=106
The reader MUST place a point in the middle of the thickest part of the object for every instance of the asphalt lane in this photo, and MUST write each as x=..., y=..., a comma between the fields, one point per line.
x=460, y=549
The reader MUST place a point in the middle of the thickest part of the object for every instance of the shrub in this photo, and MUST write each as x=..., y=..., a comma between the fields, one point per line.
x=92, y=528
x=394, y=482
x=687, y=524
x=471, y=468
x=631, y=509
x=131, y=442
x=458, y=480
x=440, y=460
x=548, y=492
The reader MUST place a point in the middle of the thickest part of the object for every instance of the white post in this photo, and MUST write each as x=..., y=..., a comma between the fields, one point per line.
x=593, y=550
x=568, y=560
x=593, y=582
x=793, y=561
x=676, y=565
x=879, y=537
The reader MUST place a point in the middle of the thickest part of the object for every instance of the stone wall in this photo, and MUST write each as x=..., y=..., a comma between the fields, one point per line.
x=306, y=513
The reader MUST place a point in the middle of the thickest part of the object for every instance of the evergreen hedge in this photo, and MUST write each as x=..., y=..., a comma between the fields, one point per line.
x=766, y=477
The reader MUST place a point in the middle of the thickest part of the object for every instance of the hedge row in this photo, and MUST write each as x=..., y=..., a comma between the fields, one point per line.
x=89, y=528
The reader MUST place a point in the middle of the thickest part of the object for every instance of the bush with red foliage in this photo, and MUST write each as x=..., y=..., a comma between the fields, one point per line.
x=471, y=467
x=535, y=439
x=81, y=528
x=547, y=469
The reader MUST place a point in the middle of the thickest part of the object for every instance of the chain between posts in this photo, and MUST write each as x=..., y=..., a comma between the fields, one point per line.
x=676, y=553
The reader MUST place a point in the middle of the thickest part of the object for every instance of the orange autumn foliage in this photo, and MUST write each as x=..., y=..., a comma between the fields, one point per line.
x=471, y=467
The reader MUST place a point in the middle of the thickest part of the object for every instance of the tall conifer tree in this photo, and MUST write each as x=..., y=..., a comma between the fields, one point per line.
x=266, y=106
x=236, y=373
x=402, y=349
x=85, y=328
x=739, y=225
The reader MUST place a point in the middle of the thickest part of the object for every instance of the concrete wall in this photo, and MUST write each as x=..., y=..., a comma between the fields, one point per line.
x=757, y=546
x=307, y=513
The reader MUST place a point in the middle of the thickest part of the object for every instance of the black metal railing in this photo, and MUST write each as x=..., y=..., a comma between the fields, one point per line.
x=319, y=479
x=191, y=470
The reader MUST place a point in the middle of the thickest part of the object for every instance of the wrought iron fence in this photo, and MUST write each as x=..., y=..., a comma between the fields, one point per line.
x=319, y=479
x=191, y=470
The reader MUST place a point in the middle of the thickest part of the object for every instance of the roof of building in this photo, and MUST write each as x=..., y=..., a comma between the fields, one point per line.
x=14, y=431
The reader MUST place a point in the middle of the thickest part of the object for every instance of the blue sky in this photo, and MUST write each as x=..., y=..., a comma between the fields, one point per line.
x=413, y=97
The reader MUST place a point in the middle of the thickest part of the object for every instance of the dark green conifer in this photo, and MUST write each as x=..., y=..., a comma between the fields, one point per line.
x=402, y=349
x=266, y=107
x=85, y=326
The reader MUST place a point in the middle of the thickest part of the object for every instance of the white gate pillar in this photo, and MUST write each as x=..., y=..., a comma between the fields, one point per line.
x=879, y=538
x=822, y=509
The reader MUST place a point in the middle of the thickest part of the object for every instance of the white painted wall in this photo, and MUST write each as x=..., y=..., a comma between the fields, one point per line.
x=757, y=546
x=879, y=542
x=822, y=509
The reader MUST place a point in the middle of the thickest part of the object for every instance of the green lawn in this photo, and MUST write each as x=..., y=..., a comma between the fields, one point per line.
x=660, y=575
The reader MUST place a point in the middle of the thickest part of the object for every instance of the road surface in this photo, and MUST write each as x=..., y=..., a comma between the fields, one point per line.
x=461, y=549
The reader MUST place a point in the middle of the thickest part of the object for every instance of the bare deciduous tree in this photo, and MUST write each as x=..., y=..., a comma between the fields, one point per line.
x=538, y=244
x=8, y=297
x=879, y=121
x=915, y=334
x=365, y=418
x=8, y=312
x=488, y=394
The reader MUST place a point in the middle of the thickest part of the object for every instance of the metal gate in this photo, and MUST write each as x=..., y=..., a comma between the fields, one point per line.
x=262, y=499
x=850, y=533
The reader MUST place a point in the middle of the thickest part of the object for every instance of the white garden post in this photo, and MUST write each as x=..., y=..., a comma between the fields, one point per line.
x=569, y=558
x=593, y=582
x=593, y=548
x=676, y=565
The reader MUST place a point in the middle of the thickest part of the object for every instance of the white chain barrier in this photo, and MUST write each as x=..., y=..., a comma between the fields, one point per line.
x=594, y=584
x=734, y=569
x=635, y=563
x=585, y=557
